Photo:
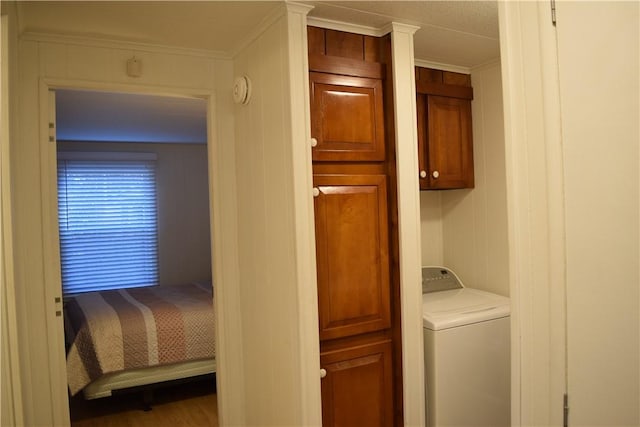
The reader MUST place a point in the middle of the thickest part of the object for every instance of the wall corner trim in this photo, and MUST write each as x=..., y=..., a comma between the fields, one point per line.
x=297, y=7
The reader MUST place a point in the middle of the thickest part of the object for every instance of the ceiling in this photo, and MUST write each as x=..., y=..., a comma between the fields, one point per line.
x=459, y=34
x=90, y=116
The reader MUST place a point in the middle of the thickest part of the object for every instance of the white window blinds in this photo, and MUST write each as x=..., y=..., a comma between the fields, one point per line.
x=108, y=221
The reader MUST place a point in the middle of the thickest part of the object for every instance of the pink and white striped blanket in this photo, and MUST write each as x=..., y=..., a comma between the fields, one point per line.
x=136, y=328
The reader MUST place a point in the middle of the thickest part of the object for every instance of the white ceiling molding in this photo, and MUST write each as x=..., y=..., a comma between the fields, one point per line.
x=443, y=67
x=120, y=44
x=266, y=22
x=488, y=64
x=330, y=24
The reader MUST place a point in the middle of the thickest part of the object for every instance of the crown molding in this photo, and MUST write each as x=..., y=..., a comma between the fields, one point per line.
x=119, y=44
x=443, y=67
x=330, y=24
x=266, y=22
x=488, y=64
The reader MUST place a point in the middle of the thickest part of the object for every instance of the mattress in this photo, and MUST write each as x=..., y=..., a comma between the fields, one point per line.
x=134, y=329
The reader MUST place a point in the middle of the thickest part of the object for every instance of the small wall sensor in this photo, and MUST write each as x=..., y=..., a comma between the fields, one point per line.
x=134, y=67
x=242, y=90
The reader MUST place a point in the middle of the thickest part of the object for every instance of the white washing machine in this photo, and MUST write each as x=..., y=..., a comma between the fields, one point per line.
x=467, y=353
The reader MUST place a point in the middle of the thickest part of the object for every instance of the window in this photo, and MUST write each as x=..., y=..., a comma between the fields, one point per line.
x=107, y=214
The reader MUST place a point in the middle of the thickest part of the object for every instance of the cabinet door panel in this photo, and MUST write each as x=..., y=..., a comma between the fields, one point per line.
x=358, y=390
x=352, y=254
x=346, y=117
x=423, y=168
x=449, y=140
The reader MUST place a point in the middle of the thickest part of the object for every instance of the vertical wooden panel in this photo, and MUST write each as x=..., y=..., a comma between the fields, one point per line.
x=456, y=79
x=372, y=49
x=315, y=38
x=429, y=75
x=346, y=45
x=386, y=57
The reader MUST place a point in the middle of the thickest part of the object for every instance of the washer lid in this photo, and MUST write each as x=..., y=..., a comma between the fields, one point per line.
x=459, y=307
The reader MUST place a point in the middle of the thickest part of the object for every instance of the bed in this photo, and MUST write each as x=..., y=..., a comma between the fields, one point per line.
x=134, y=337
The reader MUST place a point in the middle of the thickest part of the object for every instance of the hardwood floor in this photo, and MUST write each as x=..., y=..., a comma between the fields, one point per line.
x=189, y=404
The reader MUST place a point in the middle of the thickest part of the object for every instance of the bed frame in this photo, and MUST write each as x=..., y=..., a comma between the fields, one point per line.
x=108, y=383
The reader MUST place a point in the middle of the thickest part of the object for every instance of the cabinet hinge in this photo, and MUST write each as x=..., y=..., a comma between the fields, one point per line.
x=565, y=410
x=553, y=12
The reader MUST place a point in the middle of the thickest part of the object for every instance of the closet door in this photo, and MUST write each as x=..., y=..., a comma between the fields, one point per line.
x=600, y=106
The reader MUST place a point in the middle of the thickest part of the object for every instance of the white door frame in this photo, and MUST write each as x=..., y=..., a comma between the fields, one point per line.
x=12, y=408
x=535, y=199
x=53, y=286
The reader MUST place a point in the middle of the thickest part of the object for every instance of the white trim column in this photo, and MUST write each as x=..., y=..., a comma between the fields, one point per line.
x=306, y=275
x=11, y=406
x=406, y=129
x=535, y=185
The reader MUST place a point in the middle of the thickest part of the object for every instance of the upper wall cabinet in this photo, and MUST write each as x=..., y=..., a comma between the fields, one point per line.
x=346, y=87
x=445, y=143
x=347, y=117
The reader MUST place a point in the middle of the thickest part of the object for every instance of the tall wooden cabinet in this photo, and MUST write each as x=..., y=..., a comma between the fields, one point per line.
x=356, y=237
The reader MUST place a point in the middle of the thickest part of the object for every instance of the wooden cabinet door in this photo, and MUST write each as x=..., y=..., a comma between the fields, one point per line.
x=358, y=390
x=352, y=254
x=449, y=143
x=346, y=118
x=423, y=167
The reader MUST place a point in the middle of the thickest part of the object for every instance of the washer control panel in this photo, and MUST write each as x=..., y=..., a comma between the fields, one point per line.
x=436, y=279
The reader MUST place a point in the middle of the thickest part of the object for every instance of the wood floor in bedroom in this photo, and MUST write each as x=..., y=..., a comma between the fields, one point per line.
x=190, y=404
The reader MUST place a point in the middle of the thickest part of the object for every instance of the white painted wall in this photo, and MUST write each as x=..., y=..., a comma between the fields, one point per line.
x=268, y=214
x=182, y=185
x=474, y=221
x=600, y=100
x=431, y=228
x=466, y=230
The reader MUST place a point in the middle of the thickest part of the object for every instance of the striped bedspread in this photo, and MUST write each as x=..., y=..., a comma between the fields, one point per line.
x=136, y=328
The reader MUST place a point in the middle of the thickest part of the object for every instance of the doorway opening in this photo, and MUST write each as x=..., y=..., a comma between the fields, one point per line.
x=135, y=256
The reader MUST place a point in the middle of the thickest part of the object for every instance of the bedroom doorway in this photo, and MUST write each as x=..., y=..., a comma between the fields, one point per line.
x=135, y=248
